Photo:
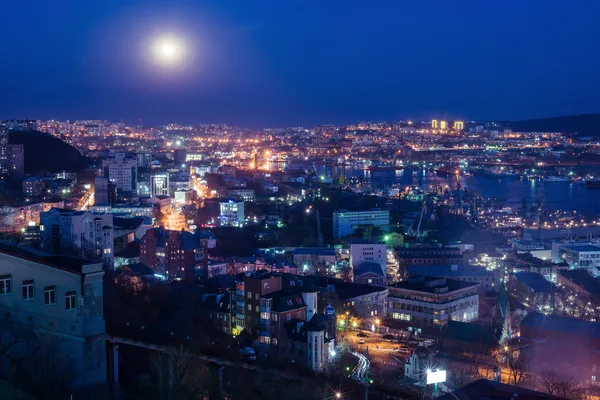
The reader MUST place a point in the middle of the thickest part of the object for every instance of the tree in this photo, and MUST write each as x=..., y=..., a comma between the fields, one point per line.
x=559, y=384
x=176, y=378
x=516, y=367
x=463, y=374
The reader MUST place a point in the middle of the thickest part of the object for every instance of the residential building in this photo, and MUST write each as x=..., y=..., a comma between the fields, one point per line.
x=59, y=296
x=526, y=262
x=104, y=191
x=313, y=258
x=87, y=234
x=429, y=302
x=242, y=193
x=33, y=186
x=12, y=160
x=534, y=290
x=367, y=302
x=579, y=281
x=121, y=169
x=177, y=254
x=346, y=222
x=231, y=213
x=144, y=160
x=565, y=345
x=372, y=252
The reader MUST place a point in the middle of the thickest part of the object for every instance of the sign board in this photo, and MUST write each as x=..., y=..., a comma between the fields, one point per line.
x=436, y=377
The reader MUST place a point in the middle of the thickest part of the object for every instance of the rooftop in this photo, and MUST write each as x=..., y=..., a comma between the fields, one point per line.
x=368, y=267
x=582, y=278
x=581, y=248
x=536, y=282
x=63, y=262
x=319, y=251
x=568, y=325
x=431, y=284
x=447, y=271
x=486, y=389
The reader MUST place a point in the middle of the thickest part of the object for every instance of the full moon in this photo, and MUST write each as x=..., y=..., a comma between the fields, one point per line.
x=168, y=50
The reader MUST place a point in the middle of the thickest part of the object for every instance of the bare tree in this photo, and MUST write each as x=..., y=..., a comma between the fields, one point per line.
x=176, y=377
x=463, y=374
x=559, y=384
x=516, y=367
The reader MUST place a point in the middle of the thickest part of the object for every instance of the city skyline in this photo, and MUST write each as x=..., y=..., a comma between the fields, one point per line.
x=295, y=64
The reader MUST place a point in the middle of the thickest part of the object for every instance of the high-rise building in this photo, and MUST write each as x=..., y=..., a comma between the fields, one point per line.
x=346, y=222
x=434, y=123
x=121, y=169
x=231, y=213
x=443, y=125
x=144, y=160
x=12, y=161
x=177, y=254
x=104, y=191
x=179, y=157
x=159, y=184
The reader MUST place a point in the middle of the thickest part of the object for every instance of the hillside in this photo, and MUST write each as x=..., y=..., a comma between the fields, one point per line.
x=45, y=153
x=582, y=125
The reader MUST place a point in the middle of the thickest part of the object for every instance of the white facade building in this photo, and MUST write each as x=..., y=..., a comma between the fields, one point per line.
x=346, y=222
x=159, y=184
x=121, y=170
x=62, y=297
x=84, y=233
x=577, y=255
x=231, y=213
x=372, y=252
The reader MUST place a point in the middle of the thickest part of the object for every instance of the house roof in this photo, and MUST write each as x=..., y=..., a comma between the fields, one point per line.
x=582, y=278
x=286, y=300
x=368, y=267
x=567, y=325
x=536, y=282
x=318, y=251
x=468, y=332
x=429, y=284
x=486, y=389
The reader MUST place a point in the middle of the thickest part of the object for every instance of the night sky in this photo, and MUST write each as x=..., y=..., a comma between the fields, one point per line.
x=263, y=63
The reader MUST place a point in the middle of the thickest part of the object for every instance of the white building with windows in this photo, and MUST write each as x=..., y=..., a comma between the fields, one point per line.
x=372, y=252
x=84, y=233
x=231, y=213
x=346, y=222
x=578, y=255
x=159, y=184
x=59, y=296
x=430, y=302
x=121, y=169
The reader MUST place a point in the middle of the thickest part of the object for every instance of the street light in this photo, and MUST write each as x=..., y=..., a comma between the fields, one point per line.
x=338, y=395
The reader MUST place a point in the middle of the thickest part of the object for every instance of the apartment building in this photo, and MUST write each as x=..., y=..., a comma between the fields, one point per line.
x=177, y=254
x=87, y=234
x=121, y=169
x=59, y=296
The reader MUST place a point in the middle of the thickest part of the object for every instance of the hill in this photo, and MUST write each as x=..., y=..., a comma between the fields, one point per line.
x=582, y=125
x=45, y=153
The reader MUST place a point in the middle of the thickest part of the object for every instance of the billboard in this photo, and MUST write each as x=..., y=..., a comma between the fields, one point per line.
x=436, y=377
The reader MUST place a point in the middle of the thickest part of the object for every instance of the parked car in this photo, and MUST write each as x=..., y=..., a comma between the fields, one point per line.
x=361, y=341
x=405, y=350
x=388, y=337
x=396, y=349
x=360, y=334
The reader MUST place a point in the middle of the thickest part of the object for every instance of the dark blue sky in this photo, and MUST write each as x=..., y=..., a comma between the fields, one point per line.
x=272, y=63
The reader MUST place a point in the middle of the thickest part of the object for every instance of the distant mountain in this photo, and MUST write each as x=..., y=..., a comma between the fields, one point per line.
x=45, y=153
x=583, y=125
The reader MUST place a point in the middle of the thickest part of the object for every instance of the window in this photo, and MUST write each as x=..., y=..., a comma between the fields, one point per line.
x=593, y=378
x=5, y=284
x=274, y=317
x=28, y=289
x=71, y=300
x=50, y=295
x=257, y=296
x=249, y=307
x=257, y=308
x=249, y=295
